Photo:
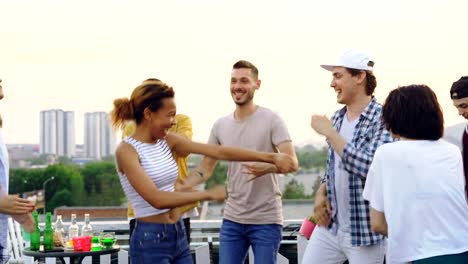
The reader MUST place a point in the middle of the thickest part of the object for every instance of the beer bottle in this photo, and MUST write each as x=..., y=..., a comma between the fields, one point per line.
x=36, y=234
x=48, y=233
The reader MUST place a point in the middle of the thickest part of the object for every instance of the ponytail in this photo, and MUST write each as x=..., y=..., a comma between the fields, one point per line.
x=123, y=111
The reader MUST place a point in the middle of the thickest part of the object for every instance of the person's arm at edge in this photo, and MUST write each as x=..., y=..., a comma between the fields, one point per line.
x=13, y=204
x=19, y=209
x=26, y=220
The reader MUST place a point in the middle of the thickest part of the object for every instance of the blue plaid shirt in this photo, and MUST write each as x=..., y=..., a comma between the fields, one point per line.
x=369, y=134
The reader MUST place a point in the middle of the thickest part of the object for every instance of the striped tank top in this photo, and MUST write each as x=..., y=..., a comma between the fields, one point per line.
x=159, y=164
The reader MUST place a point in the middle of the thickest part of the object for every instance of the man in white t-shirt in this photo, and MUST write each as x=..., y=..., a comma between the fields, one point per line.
x=415, y=185
x=253, y=214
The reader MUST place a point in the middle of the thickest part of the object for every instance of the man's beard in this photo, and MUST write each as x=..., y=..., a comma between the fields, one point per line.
x=246, y=101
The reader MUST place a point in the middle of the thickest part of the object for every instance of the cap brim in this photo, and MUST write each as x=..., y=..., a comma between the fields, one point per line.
x=328, y=67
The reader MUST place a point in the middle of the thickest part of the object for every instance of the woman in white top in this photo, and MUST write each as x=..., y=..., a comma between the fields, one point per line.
x=148, y=172
x=415, y=185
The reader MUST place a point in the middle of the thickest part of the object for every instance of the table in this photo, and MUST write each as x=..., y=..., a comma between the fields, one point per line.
x=76, y=257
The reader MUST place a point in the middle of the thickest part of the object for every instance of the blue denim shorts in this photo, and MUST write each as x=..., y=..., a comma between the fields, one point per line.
x=160, y=243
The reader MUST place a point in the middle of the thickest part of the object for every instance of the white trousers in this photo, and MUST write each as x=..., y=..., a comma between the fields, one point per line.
x=326, y=248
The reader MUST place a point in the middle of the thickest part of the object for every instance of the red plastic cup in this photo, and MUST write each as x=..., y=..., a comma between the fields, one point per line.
x=306, y=228
x=86, y=243
x=77, y=243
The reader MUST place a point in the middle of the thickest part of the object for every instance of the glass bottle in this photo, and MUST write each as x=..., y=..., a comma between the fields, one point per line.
x=59, y=231
x=48, y=233
x=36, y=234
x=59, y=227
x=87, y=230
x=73, y=230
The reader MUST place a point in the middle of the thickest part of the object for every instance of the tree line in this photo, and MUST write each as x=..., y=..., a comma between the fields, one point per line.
x=94, y=184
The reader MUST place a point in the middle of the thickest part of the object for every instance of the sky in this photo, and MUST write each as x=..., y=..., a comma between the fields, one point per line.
x=81, y=55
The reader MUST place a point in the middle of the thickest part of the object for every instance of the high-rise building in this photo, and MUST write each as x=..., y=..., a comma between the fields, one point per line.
x=99, y=139
x=57, y=132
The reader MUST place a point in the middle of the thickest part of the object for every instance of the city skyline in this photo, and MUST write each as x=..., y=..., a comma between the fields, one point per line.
x=58, y=129
x=57, y=132
x=82, y=55
x=99, y=139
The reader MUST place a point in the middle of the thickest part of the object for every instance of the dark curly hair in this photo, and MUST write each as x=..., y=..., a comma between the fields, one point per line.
x=413, y=112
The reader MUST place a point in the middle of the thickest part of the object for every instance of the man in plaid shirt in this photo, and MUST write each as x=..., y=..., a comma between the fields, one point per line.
x=353, y=134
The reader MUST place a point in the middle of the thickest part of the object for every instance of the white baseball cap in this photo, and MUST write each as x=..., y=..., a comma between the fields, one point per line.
x=353, y=59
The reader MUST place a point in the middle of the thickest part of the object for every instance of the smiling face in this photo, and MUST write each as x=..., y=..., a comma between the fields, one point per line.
x=345, y=85
x=161, y=120
x=243, y=86
x=462, y=106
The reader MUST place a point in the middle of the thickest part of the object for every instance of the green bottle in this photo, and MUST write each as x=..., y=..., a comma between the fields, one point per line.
x=48, y=233
x=36, y=234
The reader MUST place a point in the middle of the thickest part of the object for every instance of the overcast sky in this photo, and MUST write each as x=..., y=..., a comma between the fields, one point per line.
x=80, y=55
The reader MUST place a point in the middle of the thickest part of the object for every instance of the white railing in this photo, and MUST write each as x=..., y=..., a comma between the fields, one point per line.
x=205, y=235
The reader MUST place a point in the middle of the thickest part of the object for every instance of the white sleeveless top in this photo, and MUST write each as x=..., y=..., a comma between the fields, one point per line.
x=159, y=164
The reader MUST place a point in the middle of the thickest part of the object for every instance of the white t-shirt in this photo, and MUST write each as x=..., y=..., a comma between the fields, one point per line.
x=454, y=134
x=342, y=179
x=418, y=185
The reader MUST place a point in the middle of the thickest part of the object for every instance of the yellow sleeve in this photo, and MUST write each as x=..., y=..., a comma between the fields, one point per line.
x=128, y=129
x=130, y=213
x=183, y=126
